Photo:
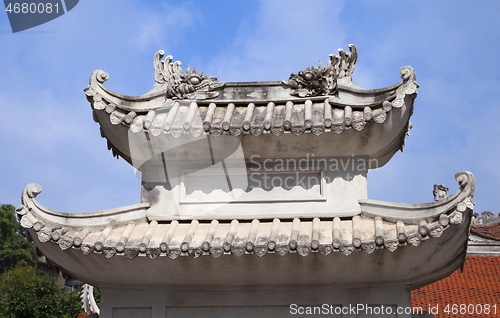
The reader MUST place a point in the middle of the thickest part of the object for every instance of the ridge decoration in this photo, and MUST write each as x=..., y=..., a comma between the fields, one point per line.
x=321, y=81
x=409, y=87
x=187, y=85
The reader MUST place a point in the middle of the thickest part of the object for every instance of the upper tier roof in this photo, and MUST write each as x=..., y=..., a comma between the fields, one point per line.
x=319, y=101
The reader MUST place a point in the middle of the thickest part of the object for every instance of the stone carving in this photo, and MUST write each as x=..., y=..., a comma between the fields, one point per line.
x=379, y=116
x=98, y=101
x=216, y=251
x=321, y=81
x=440, y=192
x=237, y=250
x=38, y=226
x=356, y=241
x=358, y=124
x=487, y=215
x=89, y=91
x=436, y=231
x=486, y=218
x=444, y=220
x=466, y=204
x=44, y=235
x=304, y=250
x=347, y=249
x=282, y=249
x=456, y=217
x=409, y=86
x=196, y=252
x=153, y=253
x=88, y=300
x=57, y=233
x=26, y=221
x=368, y=247
x=260, y=250
x=414, y=239
x=391, y=245
x=21, y=210
x=187, y=85
x=325, y=249
x=131, y=252
x=173, y=252
x=33, y=190
x=109, y=251
x=87, y=248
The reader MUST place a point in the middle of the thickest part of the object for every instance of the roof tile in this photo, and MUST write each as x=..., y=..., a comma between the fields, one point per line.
x=478, y=284
x=489, y=231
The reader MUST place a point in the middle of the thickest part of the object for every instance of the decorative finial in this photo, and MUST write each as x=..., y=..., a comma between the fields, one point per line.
x=319, y=81
x=188, y=85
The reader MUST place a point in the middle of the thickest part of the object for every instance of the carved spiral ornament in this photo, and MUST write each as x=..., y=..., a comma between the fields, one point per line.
x=101, y=76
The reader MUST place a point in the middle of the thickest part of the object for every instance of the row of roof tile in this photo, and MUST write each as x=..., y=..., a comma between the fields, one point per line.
x=177, y=120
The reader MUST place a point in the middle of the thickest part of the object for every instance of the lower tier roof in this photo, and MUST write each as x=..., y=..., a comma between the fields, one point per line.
x=99, y=247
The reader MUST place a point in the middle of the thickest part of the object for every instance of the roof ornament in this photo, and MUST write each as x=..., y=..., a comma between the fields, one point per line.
x=320, y=81
x=188, y=85
x=88, y=301
x=409, y=87
x=440, y=192
x=487, y=218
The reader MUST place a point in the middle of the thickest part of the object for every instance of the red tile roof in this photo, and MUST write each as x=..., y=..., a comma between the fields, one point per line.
x=478, y=285
x=490, y=231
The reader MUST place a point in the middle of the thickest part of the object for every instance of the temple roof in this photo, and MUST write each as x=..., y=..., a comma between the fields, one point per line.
x=484, y=239
x=318, y=100
x=126, y=233
x=491, y=232
x=475, y=286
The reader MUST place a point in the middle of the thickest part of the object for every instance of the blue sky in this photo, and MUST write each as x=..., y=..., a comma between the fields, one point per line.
x=47, y=134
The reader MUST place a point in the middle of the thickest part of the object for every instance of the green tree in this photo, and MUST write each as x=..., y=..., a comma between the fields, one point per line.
x=25, y=293
x=14, y=248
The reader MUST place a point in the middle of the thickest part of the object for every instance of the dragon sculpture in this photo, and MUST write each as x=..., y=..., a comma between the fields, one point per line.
x=320, y=81
x=179, y=85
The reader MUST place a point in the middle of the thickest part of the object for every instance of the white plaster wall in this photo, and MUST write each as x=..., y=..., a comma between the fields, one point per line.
x=246, y=302
x=330, y=188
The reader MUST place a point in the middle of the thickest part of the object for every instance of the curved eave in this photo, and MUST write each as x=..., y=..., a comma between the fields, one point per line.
x=370, y=123
x=32, y=212
x=410, y=249
x=390, y=211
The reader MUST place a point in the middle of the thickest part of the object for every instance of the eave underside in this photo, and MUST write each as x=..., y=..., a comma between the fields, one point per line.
x=132, y=250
